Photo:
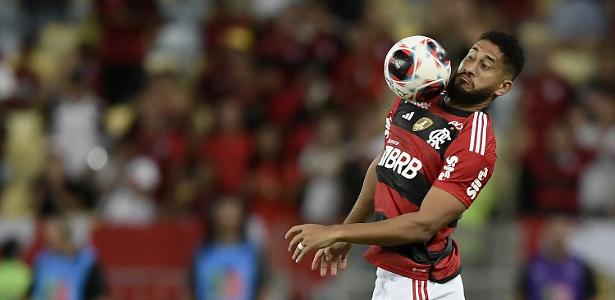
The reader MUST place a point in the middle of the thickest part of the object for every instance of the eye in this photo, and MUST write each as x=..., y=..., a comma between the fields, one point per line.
x=485, y=67
x=469, y=58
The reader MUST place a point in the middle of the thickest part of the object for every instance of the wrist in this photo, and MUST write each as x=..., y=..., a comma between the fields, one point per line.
x=337, y=233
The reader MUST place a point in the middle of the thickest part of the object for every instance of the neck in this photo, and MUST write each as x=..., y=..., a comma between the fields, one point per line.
x=467, y=107
x=67, y=249
x=228, y=237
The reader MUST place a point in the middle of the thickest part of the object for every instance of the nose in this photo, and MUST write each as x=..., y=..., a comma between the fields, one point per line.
x=469, y=68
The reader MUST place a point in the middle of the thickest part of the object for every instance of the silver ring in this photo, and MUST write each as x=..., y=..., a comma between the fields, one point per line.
x=300, y=246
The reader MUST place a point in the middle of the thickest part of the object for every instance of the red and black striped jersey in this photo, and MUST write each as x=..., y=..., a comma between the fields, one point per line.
x=430, y=144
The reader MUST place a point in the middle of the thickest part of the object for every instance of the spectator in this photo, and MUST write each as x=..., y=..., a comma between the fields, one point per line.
x=552, y=175
x=229, y=148
x=321, y=162
x=126, y=28
x=228, y=265
x=75, y=124
x=595, y=130
x=131, y=201
x=14, y=274
x=65, y=270
x=555, y=273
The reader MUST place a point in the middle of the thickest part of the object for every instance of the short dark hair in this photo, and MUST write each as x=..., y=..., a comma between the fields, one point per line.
x=510, y=47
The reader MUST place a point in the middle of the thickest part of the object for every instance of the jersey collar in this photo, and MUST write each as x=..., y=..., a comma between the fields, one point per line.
x=452, y=110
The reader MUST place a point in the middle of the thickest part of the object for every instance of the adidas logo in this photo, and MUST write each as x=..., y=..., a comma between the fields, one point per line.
x=408, y=116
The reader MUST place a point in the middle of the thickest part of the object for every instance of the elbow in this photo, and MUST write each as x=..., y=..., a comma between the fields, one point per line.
x=422, y=233
x=428, y=233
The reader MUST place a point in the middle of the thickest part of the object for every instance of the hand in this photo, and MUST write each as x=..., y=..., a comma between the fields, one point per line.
x=334, y=256
x=308, y=237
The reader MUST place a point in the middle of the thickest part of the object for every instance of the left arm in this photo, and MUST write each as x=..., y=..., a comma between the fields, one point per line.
x=438, y=209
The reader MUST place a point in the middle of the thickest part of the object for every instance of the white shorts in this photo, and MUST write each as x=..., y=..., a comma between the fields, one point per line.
x=390, y=286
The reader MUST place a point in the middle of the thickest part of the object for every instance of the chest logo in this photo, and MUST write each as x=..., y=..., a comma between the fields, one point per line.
x=438, y=137
x=422, y=124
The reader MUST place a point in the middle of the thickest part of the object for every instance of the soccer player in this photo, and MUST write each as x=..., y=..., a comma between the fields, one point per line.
x=437, y=156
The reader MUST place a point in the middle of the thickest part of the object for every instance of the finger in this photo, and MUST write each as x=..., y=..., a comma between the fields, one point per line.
x=296, y=253
x=302, y=253
x=328, y=254
x=344, y=262
x=293, y=231
x=323, y=267
x=294, y=242
x=334, y=267
x=317, y=257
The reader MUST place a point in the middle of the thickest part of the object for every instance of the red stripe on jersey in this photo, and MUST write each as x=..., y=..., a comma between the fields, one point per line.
x=420, y=290
x=425, y=291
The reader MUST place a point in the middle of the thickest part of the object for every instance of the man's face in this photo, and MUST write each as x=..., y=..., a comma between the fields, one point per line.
x=480, y=74
x=56, y=235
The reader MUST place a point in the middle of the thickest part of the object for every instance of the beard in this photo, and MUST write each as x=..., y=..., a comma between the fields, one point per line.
x=458, y=95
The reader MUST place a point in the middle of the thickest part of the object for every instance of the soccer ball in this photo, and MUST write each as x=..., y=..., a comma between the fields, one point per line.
x=417, y=68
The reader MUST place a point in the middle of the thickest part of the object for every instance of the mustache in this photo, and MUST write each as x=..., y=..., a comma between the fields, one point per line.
x=464, y=73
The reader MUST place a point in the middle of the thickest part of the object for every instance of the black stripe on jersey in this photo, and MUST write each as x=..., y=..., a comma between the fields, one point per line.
x=378, y=216
x=413, y=189
x=414, y=113
x=419, y=252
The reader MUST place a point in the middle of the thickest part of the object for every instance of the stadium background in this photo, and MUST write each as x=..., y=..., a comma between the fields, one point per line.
x=131, y=117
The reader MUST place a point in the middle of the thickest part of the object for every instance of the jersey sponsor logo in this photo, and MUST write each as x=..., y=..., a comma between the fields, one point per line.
x=422, y=124
x=387, y=127
x=392, y=141
x=423, y=105
x=477, y=184
x=400, y=162
x=456, y=124
x=451, y=162
x=438, y=137
x=478, y=136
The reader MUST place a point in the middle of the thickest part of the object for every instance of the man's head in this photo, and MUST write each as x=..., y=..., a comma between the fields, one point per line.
x=58, y=237
x=488, y=69
x=227, y=220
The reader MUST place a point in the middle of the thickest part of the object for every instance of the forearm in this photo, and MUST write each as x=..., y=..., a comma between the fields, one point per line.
x=364, y=206
x=405, y=229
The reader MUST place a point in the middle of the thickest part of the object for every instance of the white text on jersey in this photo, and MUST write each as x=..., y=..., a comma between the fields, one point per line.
x=400, y=162
x=451, y=161
x=475, y=186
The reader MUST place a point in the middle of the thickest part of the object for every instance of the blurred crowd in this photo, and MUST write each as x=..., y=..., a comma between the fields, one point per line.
x=134, y=111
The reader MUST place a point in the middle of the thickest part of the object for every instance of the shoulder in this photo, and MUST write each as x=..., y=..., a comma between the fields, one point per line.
x=477, y=135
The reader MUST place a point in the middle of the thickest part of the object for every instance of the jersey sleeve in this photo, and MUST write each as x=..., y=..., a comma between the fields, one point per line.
x=469, y=161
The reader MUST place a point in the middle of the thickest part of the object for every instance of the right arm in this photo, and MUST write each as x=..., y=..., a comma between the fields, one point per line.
x=337, y=254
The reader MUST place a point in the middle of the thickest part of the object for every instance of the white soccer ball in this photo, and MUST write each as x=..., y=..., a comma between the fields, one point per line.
x=417, y=68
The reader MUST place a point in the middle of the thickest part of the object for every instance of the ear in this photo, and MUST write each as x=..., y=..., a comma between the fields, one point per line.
x=504, y=88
